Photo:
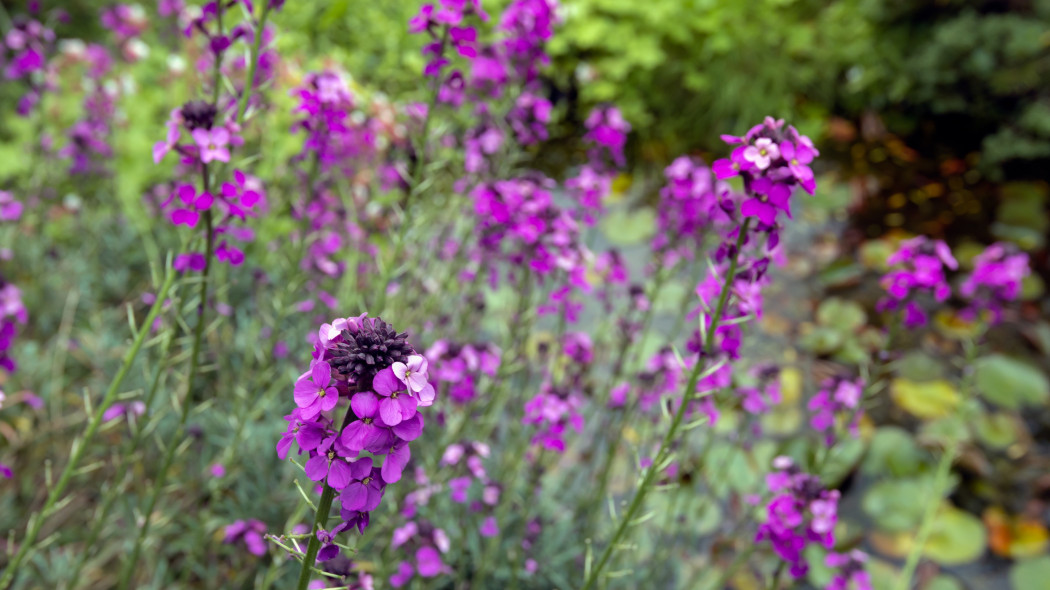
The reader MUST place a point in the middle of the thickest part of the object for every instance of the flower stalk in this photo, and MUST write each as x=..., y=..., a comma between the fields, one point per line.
x=665, y=446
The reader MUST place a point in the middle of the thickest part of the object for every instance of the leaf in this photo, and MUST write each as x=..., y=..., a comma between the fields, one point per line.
x=943, y=582
x=957, y=537
x=891, y=503
x=840, y=314
x=1011, y=383
x=892, y=451
x=625, y=228
x=1030, y=573
x=925, y=399
x=996, y=430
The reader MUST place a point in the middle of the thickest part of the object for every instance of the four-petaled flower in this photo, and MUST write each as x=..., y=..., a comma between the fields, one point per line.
x=313, y=391
x=212, y=144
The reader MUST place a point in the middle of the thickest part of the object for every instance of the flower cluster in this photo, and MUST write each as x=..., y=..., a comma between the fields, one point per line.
x=10, y=207
x=800, y=512
x=444, y=23
x=470, y=454
x=921, y=264
x=773, y=160
x=758, y=398
x=606, y=135
x=460, y=367
x=692, y=202
x=553, y=410
x=838, y=396
x=519, y=221
x=250, y=532
x=850, y=574
x=429, y=543
x=996, y=279
x=23, y=56
x=366, y=362
x=127, y=22
x=12, y=315
x=88, y=146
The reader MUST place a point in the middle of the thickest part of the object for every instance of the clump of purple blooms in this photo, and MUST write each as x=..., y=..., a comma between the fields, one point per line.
x=838, y=396
x=13, y=314
x=23, y=56
x=427, y=543
x=459, y=368
x=772, y=159
x=250, y=532
x=921, y=265
x=996, y=280
x=375, y=373
x=800, y=512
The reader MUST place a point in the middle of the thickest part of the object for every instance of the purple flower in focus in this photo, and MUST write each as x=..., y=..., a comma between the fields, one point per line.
x=212, y=144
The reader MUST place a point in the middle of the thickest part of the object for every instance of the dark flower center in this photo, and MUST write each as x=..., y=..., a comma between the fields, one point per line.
x=374, y=347
x=198, y=114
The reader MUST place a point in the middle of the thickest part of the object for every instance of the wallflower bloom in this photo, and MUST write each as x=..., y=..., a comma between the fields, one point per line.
x=250, y=532
x=773, y=160
x=919, y=269
x=354, y=358
x=212, y=144
x=996, y=279
x=800, y=512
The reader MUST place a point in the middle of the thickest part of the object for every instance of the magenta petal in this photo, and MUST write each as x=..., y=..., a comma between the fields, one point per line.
x=395, y=463
x=305, y=392
x=339, y=474
x=355, y=496
x=360, y=468
x=317, y=467
x=185, y=217
x=426, y=395
x=390, y=411
x=409, y=430
x=408, y=406
x=385, y=382
x=365, y=404
x=321, y=373
x=330, y=399
x=283, y=446
x=327, y=552
x=353, y=436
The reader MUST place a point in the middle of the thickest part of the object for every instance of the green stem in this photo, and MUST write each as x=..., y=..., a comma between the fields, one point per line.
x=417, y=181
x=320, y=519
x=687, y=397
x=114, y=492
x=940, y=483
x=77, y=453
x=187, y=401
x=253, y=63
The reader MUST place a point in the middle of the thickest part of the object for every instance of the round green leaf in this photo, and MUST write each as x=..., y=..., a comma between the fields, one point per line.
x=957, y=537
x=1030, y=573
x=925, y=399
x=1011, y=383
x=996, y=430
x=841, y=314
x=624, y=228
x=891, y=503
x=892, y=451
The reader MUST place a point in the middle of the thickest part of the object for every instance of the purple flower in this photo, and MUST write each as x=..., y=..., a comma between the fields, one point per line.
x=326, y=464
x=250, y=532
x=313, y=391
x=10, y=208
x=762, y=153
x=212, y=144
x=365, y=490
x=397, y=403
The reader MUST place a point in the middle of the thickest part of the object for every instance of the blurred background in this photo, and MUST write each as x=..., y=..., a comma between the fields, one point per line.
x=932, y=116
